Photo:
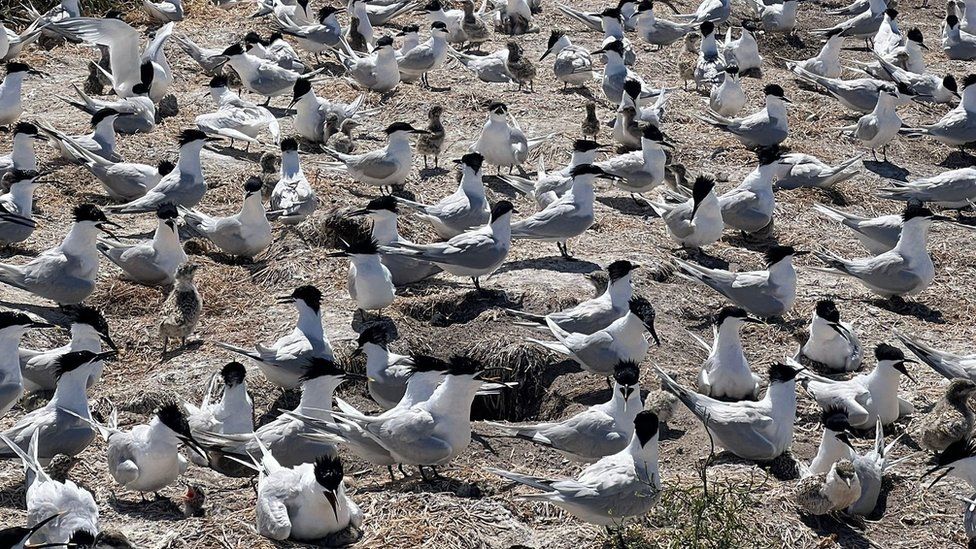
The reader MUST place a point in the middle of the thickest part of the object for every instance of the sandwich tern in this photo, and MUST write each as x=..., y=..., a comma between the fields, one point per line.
x=151, y=262
x=832, y=343
x=766, y=294
x=869, y=396
x=284, y=362
x=755, y=430
x=246, y=233
x=624, y=340
x=66, y=273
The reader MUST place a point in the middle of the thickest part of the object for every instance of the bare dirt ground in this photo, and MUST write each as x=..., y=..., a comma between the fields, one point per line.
x=745, y=506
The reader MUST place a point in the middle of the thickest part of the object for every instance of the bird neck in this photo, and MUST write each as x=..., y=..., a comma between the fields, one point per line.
x=189, y=161
x=453, y=397
x=12, y=84
x=160, y=433
x=614, y=63
x=81, y=238
x=646, y=19
x=377, y=359
x=501, y=228
x=165, y=238
x=630, y=326
x=23, y=155
x=384, y=227
x=646, y=460
x=782, y=269
x=23, y=197
x=253, y=207
x=235, y=397
x=969, y=98
x=878, y=6
x=420, y=386
x=9, y=361
x=727, y=338
x=104, y=134
x=561, y=44
x=709, y=48
x=70, y=391
x=223, y=95
x=291, y=166
x=762, y=177
x=776, y=108
x=310, y=323
x=624, y=410
x=651, y=152
x=85, y=338
x=582, y=157
x=885, y=104
x=471, y=184
x=399, y=141
x=620, y=290
x=832, y=448
x=317, y=395
x=831, y=49
x=782, y=396
x=914, y=238
x=612, y=27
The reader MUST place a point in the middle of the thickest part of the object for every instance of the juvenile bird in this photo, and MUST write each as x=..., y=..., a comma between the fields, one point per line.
x=825, y=493
x=591, y=124
x=182, y=308
x=519, y=66
x=432, y=143
x=952, y=419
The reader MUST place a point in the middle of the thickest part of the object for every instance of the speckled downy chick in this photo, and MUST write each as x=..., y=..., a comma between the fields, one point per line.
x=591, y=124
x=340, y=134
x=952, y=418
x=182, y=308
x=432, y=144
x=829, y=492
x=519, y=66
x=474, y=28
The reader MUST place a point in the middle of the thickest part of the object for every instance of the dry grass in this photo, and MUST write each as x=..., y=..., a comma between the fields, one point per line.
x=746, y=505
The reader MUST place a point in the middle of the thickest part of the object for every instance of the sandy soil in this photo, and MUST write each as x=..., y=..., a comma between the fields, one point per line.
x=475, y=509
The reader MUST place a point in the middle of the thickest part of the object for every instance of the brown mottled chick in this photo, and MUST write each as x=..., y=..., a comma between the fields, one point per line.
x=600, y=279
x=591, y=124
x=952, y=418
x=519, y=66
x=340, y=135
x=431, y=144
x=474, y=28
x=828, y=492
x=355, y=38
x=182, y=308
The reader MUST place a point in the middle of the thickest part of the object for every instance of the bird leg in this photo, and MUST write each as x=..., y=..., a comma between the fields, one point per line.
x=425, y=161
x=400, y=467
x=389, y=469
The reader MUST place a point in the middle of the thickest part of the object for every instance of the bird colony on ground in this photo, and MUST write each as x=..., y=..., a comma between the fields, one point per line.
x=265, y=98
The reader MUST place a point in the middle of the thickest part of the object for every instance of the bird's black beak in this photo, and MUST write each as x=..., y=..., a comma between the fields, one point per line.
x=545, y=54
x=108, y=341
x=938, y=478
x=196, y=446
x=337, y=254
x=39, y=324
x=331, y=496
x=350, y=376
x=420, y=131
x=101, y=226
x=846, y=439
x=598, y=52
x=104, y=356
x=900, y=366
x=751, y=320
x=650, y=328
x=359, y=213
x=941, y=218
x=798, y=253
x=285, y=299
